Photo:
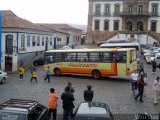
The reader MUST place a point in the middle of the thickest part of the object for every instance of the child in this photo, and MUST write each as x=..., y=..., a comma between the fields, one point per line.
x=34, y=75
x=21, y=72
x=47, y=77
x=52, y=103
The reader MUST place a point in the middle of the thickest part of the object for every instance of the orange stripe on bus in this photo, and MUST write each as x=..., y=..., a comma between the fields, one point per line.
x=112, y=71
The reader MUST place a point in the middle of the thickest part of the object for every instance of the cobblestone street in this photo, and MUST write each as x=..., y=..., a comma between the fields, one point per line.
x=115, y=92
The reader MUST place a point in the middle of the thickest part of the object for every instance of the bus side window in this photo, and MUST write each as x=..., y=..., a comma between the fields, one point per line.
x=106, y=57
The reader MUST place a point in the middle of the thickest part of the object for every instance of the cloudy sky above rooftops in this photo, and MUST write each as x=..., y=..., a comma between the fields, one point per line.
x=49, y=11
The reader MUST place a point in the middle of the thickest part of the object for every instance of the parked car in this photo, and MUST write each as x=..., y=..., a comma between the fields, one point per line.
x=65, y=48
x=39, y=61
x=17, y=109
x=150, y=49
x=157, y=59
x=3, y=77
x=93, y=111
x=151, y=57
x=149, y=53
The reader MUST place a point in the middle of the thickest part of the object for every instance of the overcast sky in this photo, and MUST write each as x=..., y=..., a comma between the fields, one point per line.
x=49, y=11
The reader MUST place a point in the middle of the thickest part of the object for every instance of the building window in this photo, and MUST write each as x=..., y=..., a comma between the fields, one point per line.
x=154, y=8
x=9, y=44
x=28, y=41
x=22, y=41
x=117, y=9
x=96, y=25
x=107, y=10
x=140, y=9
x=116, y=25
x=38, y=40
x=153, y=26
x=50, y=40
x=130, y=9
x=98, y=10
x=42, y=40
x=106, y=25
x=33, y=41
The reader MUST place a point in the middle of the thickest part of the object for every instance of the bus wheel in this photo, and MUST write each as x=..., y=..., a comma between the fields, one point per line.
x=96, y=74
x=57, y=72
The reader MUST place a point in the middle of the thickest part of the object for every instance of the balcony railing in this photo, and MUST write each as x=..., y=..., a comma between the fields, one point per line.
x=151, y=14
x=135, y=14
x=107, y=14
x=97, y=14
x=9, y=50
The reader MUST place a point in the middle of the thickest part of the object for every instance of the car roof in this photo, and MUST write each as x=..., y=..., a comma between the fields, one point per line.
x=94, y=109
x=18, y=105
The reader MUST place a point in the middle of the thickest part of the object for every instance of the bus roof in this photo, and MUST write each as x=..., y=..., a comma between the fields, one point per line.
x=119, y=44
x=90, y=50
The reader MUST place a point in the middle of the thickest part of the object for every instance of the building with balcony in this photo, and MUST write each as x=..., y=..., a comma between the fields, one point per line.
x=108, y=18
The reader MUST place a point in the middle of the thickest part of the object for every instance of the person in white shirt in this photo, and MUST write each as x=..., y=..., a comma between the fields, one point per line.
x=156, y=88
x=134, y=78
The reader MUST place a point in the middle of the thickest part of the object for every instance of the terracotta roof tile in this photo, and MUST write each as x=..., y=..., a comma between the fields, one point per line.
x=61, y=27
x=10, y=20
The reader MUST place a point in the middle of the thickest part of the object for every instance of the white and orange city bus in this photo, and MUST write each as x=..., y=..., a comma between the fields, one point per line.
x=99, y=62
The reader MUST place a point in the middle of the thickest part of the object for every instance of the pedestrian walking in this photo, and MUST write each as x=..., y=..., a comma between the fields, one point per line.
x=141, y=68
x=47, y=76
x=21, y=63
x=34, y=75
x=156, y=88
x=154, y=66
x=68, y=105
x=88, y=94
x=21, y=72
x=52, y=103
x=141, y=85
x=134, y=78
x=32, y=68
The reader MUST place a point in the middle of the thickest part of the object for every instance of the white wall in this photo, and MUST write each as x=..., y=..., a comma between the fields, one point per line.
x=141, y=39
x=14, y=55
x=154, y=18
x=17, y=33
x=110, y=18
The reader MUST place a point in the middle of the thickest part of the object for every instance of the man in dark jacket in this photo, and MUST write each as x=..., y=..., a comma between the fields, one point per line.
x=154, y=66
x=88, y=94
x=141, y=85
x=68, y=105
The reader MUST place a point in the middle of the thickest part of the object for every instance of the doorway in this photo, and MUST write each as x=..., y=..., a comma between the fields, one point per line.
x=129, y=26
x=139, y=26
x=8, y=64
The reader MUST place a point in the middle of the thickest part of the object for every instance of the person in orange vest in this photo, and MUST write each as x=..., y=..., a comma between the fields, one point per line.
x=52, y=103
x=21, y=72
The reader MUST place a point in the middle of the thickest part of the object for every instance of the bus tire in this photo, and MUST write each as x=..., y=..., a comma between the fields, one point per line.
x=96, y=74
x=57, y=72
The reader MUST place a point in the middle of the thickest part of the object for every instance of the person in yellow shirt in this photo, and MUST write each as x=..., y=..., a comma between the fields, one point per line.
x=21, y=72
x=34, y=75
x=52, y=103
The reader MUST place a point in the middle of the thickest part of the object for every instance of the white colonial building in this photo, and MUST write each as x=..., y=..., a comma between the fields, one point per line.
x=121, y=18
x=24, y=40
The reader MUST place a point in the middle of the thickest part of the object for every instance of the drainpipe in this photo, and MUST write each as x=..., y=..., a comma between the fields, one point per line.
x=0, y=38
